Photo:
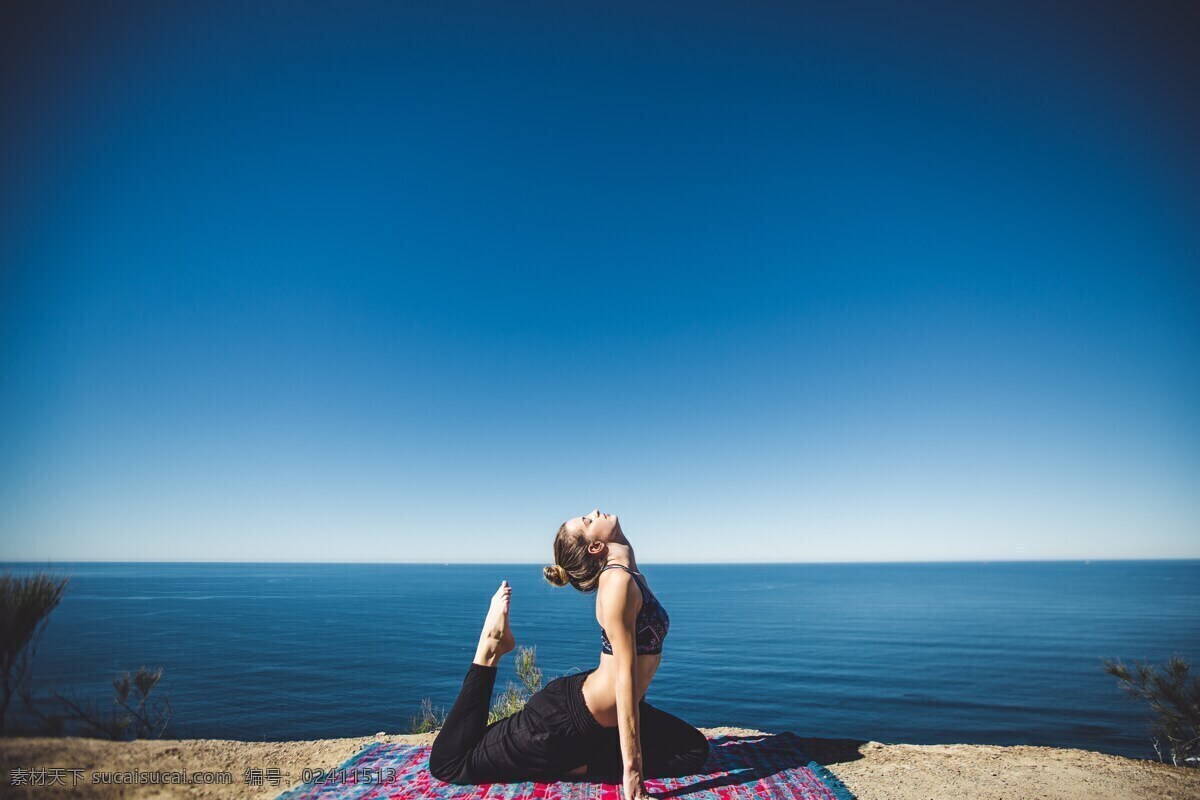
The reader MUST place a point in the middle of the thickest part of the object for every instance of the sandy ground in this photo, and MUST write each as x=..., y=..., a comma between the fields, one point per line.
x=873, y=771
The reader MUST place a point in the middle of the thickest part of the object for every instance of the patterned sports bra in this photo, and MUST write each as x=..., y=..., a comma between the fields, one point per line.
x=652, y=621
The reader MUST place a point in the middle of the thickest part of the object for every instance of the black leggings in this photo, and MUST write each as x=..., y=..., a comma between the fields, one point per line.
x=553, y=734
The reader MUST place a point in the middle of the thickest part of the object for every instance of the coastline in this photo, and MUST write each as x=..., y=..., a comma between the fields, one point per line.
x=871, y=770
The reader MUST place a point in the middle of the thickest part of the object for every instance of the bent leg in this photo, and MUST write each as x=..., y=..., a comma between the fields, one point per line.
x=539, y=742
x=509, y=752
x=528, y=745
x=464, y=725
x=670, y=747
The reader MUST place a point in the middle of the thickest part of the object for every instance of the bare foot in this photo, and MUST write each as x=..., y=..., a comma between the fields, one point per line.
x=496, y=639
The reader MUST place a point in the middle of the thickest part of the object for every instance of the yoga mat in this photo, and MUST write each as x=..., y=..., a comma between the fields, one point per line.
x=738, y=768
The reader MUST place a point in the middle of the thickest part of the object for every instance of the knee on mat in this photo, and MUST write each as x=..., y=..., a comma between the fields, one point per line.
x=447, y=776
x=444, y=771
x=697, y=754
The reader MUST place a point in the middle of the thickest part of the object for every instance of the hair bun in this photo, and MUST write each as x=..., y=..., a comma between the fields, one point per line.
x=556, y=575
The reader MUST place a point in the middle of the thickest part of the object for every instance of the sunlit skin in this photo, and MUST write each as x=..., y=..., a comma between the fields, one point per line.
x=607, y=542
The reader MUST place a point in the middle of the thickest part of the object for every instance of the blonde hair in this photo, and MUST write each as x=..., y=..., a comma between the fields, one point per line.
x=556, y=575
x=573, y=563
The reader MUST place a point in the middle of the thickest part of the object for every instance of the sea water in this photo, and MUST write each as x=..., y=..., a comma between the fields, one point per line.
x=995, y=653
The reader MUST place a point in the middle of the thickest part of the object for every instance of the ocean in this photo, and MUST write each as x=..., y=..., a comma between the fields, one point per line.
x=987, y=652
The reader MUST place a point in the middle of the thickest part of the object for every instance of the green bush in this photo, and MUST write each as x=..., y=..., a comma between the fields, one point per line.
x=427, y=720
x=1175, y=700
x=509, y=702
x=514, y=697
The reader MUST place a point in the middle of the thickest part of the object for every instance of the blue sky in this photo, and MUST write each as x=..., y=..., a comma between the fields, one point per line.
x=417, y=282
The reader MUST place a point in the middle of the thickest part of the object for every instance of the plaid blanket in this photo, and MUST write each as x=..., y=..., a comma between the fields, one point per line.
x=738, y=768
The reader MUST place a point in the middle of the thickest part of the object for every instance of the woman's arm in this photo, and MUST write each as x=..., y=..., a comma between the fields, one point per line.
x=619, y=609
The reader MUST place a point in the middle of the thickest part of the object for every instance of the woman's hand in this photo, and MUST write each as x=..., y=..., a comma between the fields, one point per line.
x=635, y=787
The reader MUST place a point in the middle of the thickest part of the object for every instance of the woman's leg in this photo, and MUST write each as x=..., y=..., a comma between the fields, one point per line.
x=464, y=726
x=670, y=747
x=536, y=743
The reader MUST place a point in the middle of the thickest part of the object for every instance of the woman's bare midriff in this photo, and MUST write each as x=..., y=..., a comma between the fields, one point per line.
x=600, y=687
x=600, y=690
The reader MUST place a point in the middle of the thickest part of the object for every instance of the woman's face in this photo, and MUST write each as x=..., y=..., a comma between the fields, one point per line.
x=598, y=527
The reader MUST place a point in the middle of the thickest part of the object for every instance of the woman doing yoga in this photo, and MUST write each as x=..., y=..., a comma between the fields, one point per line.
x=595, y=724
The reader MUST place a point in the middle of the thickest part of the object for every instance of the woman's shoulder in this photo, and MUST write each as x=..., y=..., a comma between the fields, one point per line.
x=615, y=574
x=621, y=583
x=620, y=575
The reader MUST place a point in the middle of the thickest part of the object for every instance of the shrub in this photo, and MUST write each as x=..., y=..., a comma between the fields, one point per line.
x=134, y=715
x=1175, y=700
x=25, y=606
x=510, y=701
x=514, y=697
x=428, y=720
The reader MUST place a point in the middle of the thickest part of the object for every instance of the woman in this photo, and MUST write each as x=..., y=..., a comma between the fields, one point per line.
x=596, y=723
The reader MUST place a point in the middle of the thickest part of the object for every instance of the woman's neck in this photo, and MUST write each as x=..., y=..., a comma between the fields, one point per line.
x=621, y=554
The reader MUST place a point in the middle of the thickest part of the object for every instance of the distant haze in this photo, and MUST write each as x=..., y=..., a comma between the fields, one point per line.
x=418, y=282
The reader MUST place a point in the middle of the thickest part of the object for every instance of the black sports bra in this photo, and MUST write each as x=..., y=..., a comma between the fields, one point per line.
x=652, y=621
